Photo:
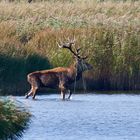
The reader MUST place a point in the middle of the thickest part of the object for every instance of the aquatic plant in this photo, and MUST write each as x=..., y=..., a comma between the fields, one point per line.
x=13, y=120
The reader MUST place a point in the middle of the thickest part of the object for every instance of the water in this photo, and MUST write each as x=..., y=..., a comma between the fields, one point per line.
x=85, y=117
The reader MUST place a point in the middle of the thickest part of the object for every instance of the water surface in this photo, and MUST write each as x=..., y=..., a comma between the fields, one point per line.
x=85, y=117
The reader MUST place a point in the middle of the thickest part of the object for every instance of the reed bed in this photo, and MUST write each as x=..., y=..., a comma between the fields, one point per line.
x=109, y=33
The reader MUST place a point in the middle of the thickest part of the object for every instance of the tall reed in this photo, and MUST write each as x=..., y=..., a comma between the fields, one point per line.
x=108, y=32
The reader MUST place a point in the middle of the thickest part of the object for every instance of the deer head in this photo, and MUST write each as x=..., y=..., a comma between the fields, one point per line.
x=80, y=64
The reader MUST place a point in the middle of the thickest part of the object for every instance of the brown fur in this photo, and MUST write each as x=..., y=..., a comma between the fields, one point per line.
x=59, y=78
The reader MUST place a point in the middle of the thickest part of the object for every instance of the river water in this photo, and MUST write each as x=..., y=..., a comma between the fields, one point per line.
x=84, y=117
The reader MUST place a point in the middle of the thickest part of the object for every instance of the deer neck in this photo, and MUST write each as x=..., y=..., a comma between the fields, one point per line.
x=76, y=71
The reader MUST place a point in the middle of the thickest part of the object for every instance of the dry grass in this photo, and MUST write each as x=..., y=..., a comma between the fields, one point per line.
x=76, y=14
x=108, y=31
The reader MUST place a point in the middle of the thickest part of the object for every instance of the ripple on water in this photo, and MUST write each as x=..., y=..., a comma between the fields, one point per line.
x=89, y=116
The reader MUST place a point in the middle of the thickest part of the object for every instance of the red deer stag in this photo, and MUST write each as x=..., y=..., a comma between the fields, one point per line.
x=60, y=77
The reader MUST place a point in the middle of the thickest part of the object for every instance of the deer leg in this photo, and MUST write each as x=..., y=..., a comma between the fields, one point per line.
x=62, y=86
x=62, y=95
x=34, y=92
x=70, y=93
x=63, y=91
x=29, y=93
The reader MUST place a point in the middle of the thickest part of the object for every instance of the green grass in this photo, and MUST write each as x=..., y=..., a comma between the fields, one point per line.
x=108, y=32
x=13, y=120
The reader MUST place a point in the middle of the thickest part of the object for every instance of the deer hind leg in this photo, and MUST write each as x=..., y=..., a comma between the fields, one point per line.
x=29, y=93
x=70, y=93
x=34, y=86
x=34, y=92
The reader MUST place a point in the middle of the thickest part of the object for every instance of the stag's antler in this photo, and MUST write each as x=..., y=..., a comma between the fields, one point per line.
x=69, y=46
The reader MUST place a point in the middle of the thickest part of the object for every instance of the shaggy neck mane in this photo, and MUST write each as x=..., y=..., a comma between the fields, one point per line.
x=75, y=71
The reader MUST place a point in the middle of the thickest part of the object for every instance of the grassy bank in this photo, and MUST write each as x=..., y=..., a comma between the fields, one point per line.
x=108, y=32
x=13, y=120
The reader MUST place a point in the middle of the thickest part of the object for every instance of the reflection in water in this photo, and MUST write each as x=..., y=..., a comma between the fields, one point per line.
x=86, y=116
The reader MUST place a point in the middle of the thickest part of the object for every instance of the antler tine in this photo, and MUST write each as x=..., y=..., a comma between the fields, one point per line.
x=71, y=41
x=69, y=46
x=85, y=57
x=60, y=46
x=74, y=39
x=78, y=50
x=68, y=39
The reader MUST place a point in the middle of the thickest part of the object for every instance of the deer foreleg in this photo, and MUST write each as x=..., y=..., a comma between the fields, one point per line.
x=63, y=90
x=62, y=86
x=62, y=95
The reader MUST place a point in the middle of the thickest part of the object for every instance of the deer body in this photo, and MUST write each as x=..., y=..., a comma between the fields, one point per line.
x=51, y=78
x=58, y=78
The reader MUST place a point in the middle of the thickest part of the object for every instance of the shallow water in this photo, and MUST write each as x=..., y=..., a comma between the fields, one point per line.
x=85, y=117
